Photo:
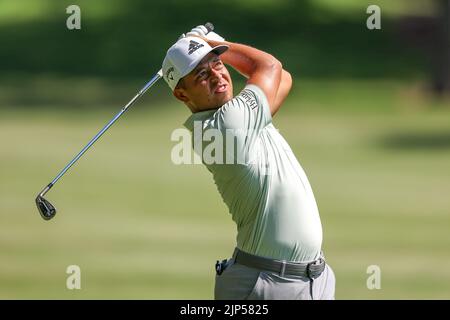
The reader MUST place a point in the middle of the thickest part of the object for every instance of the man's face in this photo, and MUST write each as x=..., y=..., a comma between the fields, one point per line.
x=208, y=86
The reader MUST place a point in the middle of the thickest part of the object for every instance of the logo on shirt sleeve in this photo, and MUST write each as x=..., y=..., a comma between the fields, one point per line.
x=249, y=99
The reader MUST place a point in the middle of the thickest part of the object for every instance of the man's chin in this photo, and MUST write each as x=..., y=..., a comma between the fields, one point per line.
x=225, y=97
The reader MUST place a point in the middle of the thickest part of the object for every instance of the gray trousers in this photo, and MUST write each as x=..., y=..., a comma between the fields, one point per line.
x=239, y=282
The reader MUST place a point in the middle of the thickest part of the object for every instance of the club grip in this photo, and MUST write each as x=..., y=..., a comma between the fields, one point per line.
x=209, y=26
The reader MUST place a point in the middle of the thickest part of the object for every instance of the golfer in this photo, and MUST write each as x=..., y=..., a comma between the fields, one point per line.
x=279, y=234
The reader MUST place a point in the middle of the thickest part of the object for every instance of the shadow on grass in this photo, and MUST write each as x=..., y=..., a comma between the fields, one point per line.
x=417, y=141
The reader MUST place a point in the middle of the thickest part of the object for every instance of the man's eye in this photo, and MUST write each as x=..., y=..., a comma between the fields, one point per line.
x=202, y=74
x=218, y=64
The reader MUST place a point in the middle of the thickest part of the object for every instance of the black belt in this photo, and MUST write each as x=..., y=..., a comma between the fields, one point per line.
x=311, y=270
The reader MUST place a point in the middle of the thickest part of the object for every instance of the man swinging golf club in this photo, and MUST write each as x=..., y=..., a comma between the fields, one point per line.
x=279, y=233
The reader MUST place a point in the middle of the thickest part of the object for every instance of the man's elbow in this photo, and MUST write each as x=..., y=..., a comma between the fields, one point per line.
x=286, y=79
x=272, y=65
x=285, y=76
x=276, y=66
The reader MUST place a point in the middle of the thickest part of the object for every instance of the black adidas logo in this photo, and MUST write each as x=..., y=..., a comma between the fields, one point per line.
x=194, y=46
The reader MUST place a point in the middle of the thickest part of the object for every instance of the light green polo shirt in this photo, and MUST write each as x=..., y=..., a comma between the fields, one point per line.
x=259, y=178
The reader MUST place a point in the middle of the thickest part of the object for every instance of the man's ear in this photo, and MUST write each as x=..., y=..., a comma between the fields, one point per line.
x=180, y=95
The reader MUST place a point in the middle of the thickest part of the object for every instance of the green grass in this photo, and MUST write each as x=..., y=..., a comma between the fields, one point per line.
x=141, y=227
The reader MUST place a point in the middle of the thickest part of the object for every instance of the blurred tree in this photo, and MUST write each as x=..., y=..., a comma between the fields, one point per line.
x=441, y=73
x=431, y=35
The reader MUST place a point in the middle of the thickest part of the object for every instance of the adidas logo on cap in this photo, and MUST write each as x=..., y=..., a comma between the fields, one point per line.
x=193, y=46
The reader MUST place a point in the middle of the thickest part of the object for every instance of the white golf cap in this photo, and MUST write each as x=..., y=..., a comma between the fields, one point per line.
x=184, y=56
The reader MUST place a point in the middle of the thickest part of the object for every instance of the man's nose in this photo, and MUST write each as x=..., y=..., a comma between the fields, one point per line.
x=215, y=74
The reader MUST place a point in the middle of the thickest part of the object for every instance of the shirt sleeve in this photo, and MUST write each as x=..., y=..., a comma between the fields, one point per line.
x=241, y=123
x=249, y=110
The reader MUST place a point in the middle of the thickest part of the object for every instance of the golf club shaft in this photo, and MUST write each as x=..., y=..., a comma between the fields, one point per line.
x=98, y=135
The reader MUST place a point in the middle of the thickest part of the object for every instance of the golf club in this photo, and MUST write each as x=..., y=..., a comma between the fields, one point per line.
x=46, y=209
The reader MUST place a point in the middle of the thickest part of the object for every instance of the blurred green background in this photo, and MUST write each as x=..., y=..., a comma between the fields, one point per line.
x=362, y=117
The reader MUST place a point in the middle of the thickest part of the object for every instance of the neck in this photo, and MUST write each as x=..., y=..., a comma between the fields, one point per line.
x=194, y=109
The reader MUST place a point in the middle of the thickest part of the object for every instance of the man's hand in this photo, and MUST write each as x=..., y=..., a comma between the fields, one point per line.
x=202, y=32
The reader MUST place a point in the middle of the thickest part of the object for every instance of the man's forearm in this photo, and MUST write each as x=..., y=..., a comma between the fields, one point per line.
x=245, y=59
x=260, y=68
x=234, y=57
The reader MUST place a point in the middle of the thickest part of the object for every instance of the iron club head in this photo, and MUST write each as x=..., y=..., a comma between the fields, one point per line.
x=46, y=209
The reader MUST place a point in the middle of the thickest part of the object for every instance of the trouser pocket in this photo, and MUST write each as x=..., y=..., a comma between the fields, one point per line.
x=236, y=282
x=255, y=293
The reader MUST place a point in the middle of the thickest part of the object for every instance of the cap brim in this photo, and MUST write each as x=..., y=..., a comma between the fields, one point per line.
x=217, y=50
x=220, y=49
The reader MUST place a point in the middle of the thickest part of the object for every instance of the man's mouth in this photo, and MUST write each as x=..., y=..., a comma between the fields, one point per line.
x=221, y=88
